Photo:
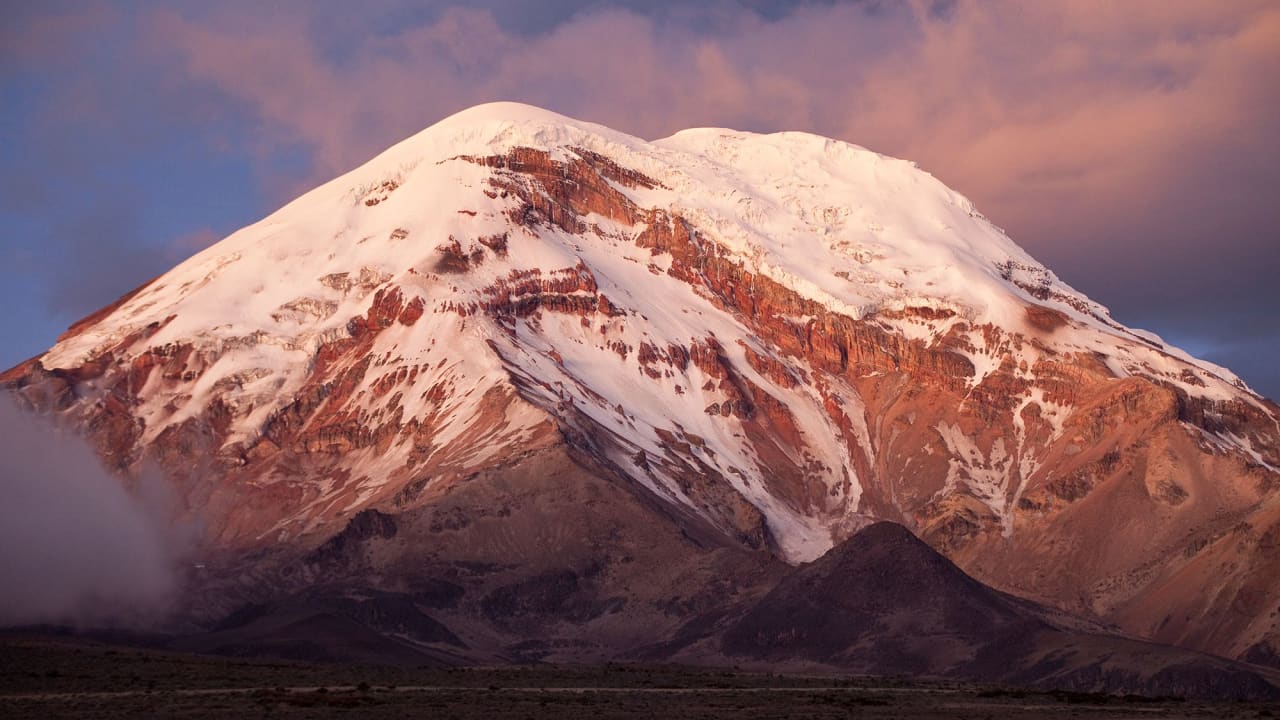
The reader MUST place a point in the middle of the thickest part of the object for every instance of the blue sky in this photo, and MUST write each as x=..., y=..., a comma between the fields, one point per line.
x=1132, y=148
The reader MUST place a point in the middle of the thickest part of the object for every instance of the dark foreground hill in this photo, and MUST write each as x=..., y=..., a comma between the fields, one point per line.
x=881, y=604
x=885, y=602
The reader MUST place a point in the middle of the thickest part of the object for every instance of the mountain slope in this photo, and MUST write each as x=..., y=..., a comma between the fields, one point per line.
x=884, y=602
x=549, y=559
x=782, y=336
x=880, y=603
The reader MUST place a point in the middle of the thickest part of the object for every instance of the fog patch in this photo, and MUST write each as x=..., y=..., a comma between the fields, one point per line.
x=75, y=546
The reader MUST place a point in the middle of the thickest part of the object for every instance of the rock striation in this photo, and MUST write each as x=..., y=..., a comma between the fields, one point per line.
x=772, y=341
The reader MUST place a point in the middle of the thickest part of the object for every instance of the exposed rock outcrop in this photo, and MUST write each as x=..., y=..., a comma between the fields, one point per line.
x=762, y=354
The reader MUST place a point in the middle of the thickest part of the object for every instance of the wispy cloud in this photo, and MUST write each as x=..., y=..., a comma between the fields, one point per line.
x=75, y=546
x=1132, y=146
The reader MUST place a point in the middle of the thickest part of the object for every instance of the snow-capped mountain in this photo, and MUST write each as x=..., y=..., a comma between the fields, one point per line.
x=779, y=337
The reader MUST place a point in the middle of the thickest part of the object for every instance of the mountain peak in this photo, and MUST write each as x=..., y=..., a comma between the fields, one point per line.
x=782, y=336
x=508, y=113
x=498, y=127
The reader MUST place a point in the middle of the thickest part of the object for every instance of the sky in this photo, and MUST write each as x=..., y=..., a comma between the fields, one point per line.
x=1132, y=147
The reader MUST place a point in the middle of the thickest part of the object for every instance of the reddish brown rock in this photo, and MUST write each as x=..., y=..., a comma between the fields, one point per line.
x=1108, y=496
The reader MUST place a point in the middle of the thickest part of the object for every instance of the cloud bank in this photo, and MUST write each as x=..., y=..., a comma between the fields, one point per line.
x=75, y=547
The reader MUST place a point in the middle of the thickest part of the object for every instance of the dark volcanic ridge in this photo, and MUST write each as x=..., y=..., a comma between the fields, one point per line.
x=882, y=603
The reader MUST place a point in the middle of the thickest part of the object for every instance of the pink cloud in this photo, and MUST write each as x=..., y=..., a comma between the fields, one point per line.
x=1070, y=123
x=1133, y=146
x=1112, y=110
x=188, y=244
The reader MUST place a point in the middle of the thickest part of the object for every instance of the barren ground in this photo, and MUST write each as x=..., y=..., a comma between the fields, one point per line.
x=50, y=677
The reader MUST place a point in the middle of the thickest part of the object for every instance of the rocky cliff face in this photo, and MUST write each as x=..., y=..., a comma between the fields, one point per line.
x=781, y=337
